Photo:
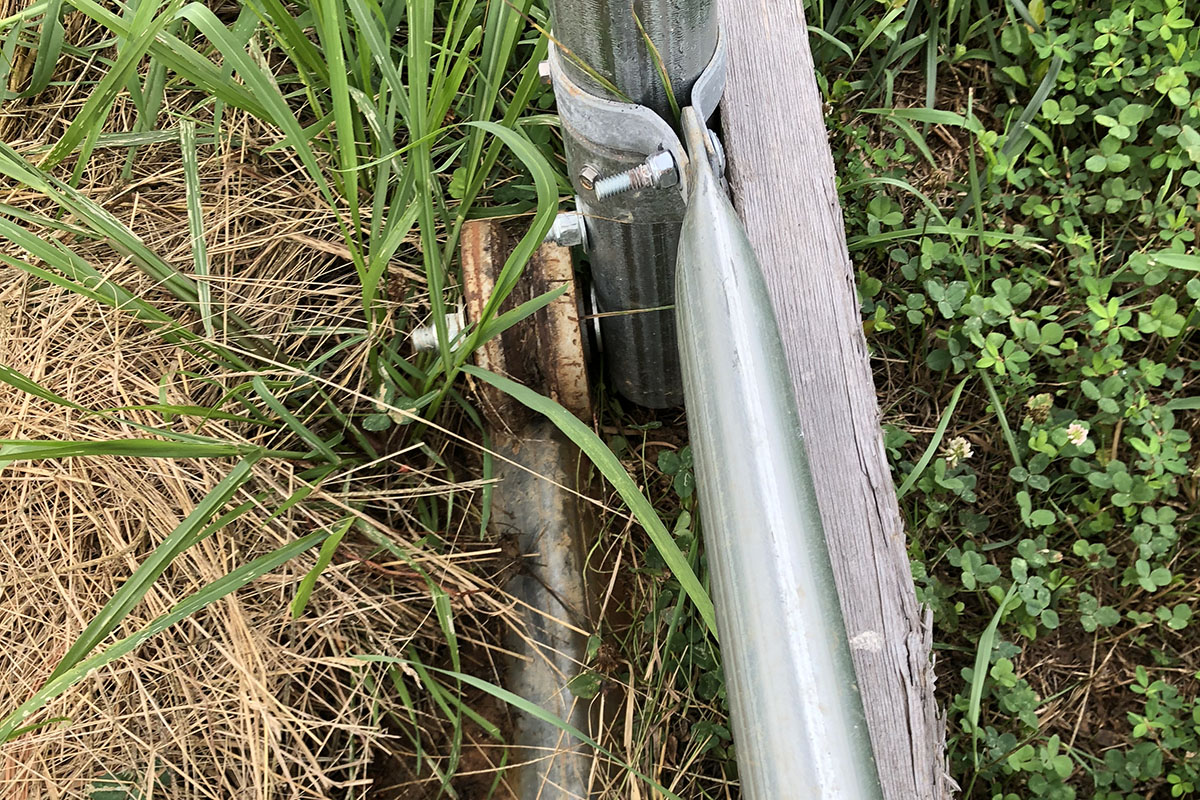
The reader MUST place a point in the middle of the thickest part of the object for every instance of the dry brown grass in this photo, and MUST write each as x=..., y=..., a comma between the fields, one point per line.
x=239, y=701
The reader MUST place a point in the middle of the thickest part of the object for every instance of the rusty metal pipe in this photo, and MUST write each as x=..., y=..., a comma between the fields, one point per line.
x=547, y=526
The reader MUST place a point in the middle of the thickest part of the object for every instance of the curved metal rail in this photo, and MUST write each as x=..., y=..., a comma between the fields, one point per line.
x=797, y=716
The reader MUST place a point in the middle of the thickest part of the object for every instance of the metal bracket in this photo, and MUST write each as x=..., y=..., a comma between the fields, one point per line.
x=629, y=126
x=708, y=88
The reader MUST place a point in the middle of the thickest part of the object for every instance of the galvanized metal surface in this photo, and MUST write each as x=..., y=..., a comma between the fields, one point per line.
x=627, y=129
x=623, y=127
x=632, y=237
x=797, y=716
x=568, y=230
x=605, y=35
x=547, y=528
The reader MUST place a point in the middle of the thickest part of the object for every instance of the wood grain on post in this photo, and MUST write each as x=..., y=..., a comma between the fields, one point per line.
x=782, y=176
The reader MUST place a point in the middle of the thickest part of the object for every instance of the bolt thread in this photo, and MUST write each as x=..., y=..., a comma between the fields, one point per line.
x=637, y=178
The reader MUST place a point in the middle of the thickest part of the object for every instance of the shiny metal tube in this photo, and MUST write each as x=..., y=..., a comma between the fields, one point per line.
x=633, y=238
x=797, y=716
x=604, y=35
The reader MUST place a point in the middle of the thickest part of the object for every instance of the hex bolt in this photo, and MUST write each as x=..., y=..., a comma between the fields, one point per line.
x=568, y=230
x=655, y=172
x=544, y=71
x=587, y=176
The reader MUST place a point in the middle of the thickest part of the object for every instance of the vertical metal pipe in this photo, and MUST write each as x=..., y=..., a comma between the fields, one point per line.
x=633, y=238
x=797, y=715
x=604, y=35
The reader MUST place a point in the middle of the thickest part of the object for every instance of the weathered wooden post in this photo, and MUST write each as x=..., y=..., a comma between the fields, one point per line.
x=538, y=507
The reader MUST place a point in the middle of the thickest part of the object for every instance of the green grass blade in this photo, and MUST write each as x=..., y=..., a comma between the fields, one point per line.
x=297, y=427
x=841, y=46
x=121, y=238
x=931, y=60
x=305, y=590
x=1002, y=418
x=18, y=381
x=546, y=185
x=191, y=182
x=180, y=58
x=934, y=211
x=29, y=12
x=135, y=588
x=915, y=137
x=934, y=443
x=49, y=49
x=41, y=221
x=599, y=453
x=1016, y=140
x=203, y=412
x=330, y=19
x=983, y=658
x=16, y=168
x=879, y=28
x=503, y=322
x=263, y=87
x=534, y=710
x=930, y=115
x=659, y=65
x=110, y=294
x=12, y=450
x=95, y=110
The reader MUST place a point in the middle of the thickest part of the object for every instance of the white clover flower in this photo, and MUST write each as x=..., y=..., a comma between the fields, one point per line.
x=956, y=451
x=1077, y=433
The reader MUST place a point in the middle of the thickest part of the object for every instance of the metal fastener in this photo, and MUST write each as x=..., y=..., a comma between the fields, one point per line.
x=568, y=230
x=587, y=176
x=655, y=172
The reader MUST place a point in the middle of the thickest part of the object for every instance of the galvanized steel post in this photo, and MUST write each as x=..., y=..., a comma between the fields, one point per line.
x=632, y=237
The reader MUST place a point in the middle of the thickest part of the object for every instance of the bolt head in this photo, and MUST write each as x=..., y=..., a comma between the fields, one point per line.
x=544, y=71
x=568, y=230
x=663, y=171
x=588, y=176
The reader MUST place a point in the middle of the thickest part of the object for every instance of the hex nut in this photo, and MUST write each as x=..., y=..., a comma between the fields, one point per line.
x=663, y=171
x=568, y=230
x=588, y=176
